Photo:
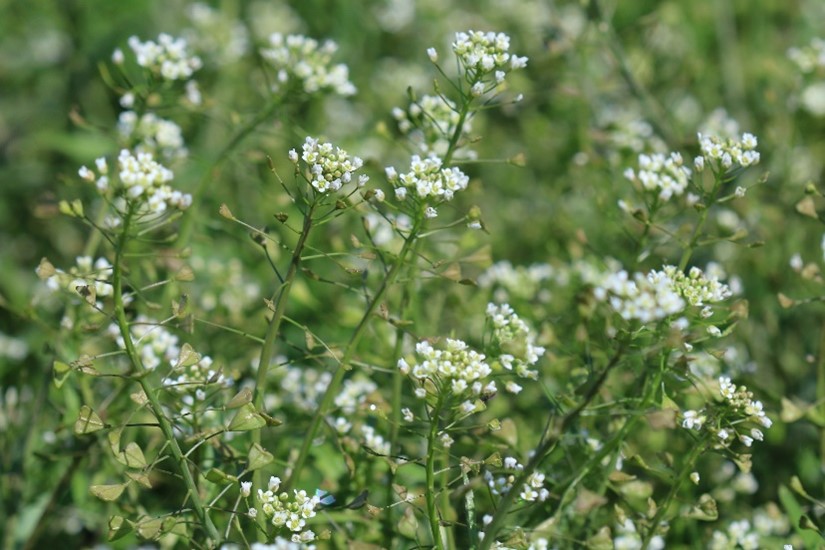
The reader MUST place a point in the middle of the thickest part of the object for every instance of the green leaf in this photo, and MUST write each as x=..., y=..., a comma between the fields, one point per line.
x=60, y=372
x=408, y=524
x=73, y=209
x=118, y=527
x=796, y=487
x=810, y=538
x=88, y=421
x=241, y=398
x=188, y=357
x=140, y=478
x=133, y=456
x=114, y=440
x=247, y=418
x=149, y=528
x=219, y=477
x=705, y=510
x=107, y=492
x=258, y=457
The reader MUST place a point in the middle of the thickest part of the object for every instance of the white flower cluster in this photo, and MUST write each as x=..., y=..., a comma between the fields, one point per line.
x=144, y=178
x=154, y=134
x=521, y=282
x=456, y=368
x=297, y=57
x=330, y=167
x=697, y=287
x=627, y=537
x=738, y=407
x=154, y=343
x=375, y=441
x=428, y=179
x=727, y=153
x=659, y=294
x=666, y=175
x=741, y=401
x=303, y=388
x=739, y=534
x=13, y=348
x=285, y=512
x=354, y=393
x=533, y=489
x=168, y=57
x=430, y=123
x=516, y=342
x=191, y=380
x=222, y=38
x=810, y=57
x=639, y=297
x=485, y=53
x=84, y=274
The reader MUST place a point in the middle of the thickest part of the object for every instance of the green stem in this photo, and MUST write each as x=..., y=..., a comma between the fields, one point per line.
x=820, y=392
x=349, y=351
x=154, y=403
x=509, y=497
x=187, y=226
x=611, y=445
x=432, y=510
x=395, y=424
x=703, y=216
x=272, y=333
x=687, y=468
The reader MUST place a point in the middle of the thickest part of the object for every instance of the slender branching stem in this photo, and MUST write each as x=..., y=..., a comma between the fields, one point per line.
x=432, y=492
x=154, y=402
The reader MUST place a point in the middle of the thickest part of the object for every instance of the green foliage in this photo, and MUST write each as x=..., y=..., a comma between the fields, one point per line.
x=257, y=288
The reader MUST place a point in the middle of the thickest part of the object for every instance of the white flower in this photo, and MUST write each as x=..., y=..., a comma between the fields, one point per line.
x=308, y=62
x=246, y=488
x=432, y=54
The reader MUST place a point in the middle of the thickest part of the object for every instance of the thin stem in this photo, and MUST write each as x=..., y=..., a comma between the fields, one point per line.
x=154, y=403
x=272, y=333
x=187, y=226
x=432, y=510
x=703, y=216
x=508, y=499
x=687, y=468
x=820, y=392
x=349, y=351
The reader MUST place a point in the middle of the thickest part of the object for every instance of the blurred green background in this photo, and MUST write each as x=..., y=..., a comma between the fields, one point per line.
x=593, y=69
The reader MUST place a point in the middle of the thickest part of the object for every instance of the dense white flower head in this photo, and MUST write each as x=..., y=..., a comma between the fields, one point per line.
x=482, y=54
x=516, y=342
x=304, y=60
x=168, y=57
x=729, y=153
x=287, y=513
x=666, y=175
x=330, y=167
x=454, y=366
x=429, y=179
x=154, y=134
x=657, y=295
x=145, y=179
